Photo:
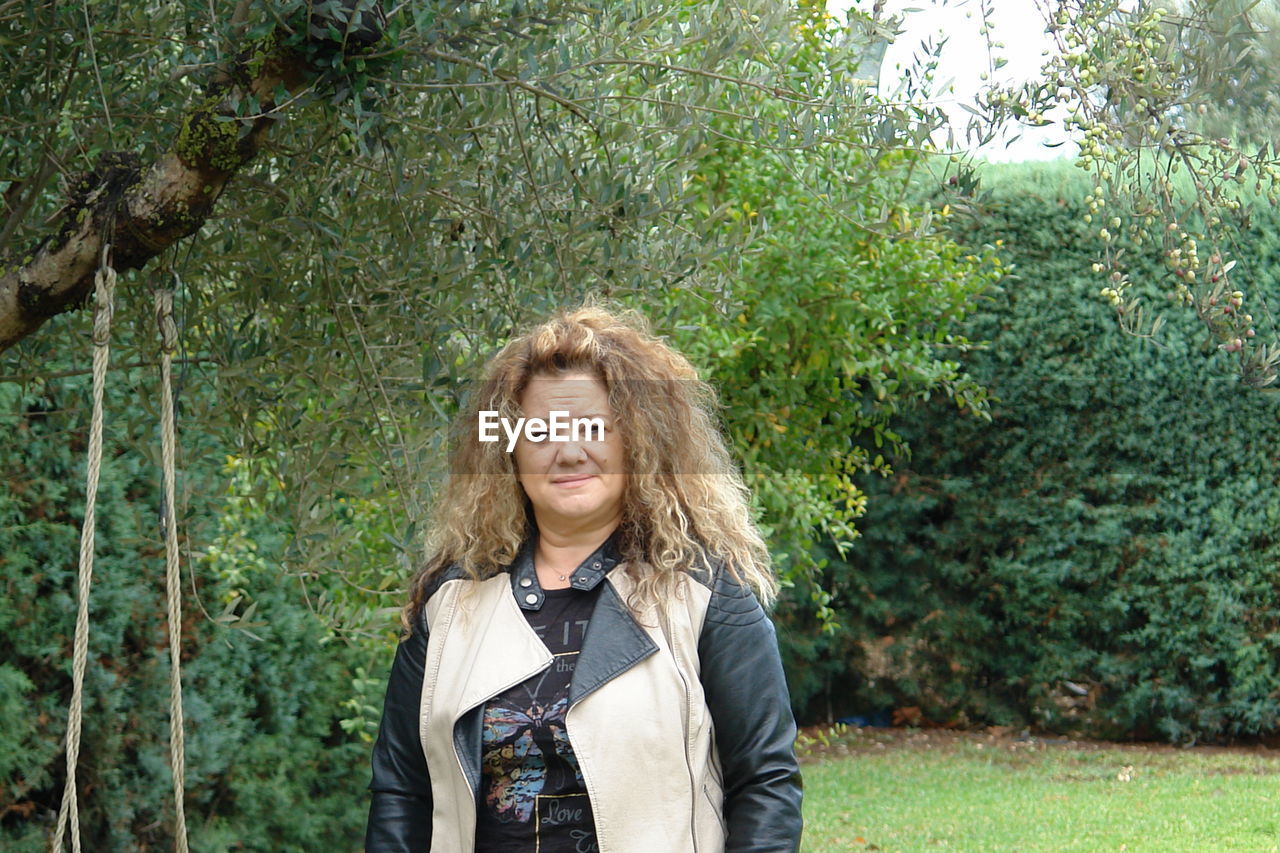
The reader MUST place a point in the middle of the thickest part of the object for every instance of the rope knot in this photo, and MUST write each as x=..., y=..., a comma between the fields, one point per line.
x=164, y=319
x=104, y=281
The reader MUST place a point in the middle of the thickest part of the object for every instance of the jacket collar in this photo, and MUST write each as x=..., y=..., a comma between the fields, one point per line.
x=524, y=579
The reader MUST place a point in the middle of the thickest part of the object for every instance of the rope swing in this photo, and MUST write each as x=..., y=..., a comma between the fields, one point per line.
x=68, y=810
x=172, y=573
x=104, y=281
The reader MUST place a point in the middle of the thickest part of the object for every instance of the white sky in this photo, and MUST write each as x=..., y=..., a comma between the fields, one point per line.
x=1017, y=24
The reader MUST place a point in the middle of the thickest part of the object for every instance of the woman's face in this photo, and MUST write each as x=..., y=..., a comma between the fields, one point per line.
x=573, y=484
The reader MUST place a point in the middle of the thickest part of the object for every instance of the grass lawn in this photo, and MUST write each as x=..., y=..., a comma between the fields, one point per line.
x=904, y=790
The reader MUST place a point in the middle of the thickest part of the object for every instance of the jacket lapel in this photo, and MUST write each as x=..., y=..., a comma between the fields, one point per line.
x=614, y=643
x=501, y=649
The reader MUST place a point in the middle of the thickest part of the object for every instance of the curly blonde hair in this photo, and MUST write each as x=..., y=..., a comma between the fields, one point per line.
x=685, y=505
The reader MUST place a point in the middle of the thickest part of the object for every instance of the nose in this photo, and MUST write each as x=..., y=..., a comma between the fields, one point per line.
x=572, y=453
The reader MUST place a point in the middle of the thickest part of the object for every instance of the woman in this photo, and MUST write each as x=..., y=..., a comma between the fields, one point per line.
x=586, y=665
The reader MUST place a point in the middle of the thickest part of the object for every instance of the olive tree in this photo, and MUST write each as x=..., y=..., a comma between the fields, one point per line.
x=1172, y=105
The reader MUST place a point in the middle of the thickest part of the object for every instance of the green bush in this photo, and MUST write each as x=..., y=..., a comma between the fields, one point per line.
x=1101, y=557
x=269, y=767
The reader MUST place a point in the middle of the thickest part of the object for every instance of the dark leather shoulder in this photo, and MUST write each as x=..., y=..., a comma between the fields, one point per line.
x=432, y=583
x=732, y=602
x=430, y=586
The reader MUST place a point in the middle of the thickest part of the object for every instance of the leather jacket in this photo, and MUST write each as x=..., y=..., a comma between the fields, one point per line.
x=679, y=716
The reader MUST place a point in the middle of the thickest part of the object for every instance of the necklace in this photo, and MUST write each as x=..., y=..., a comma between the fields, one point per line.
x=541, y=568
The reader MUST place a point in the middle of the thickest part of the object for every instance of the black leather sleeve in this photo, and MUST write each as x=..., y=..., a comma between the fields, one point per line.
x=400, y=815
x=755, y=730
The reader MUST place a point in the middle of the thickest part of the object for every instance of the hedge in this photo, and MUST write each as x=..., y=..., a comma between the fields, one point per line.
x=269, y=767
x=1101, y=558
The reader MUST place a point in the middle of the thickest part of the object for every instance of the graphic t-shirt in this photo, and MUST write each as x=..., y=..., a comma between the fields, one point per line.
x=533, y=796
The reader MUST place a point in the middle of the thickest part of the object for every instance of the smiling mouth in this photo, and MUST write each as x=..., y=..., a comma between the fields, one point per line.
x=571, y=481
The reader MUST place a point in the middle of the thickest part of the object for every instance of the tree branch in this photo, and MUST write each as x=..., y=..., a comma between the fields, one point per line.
x=143, y=210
